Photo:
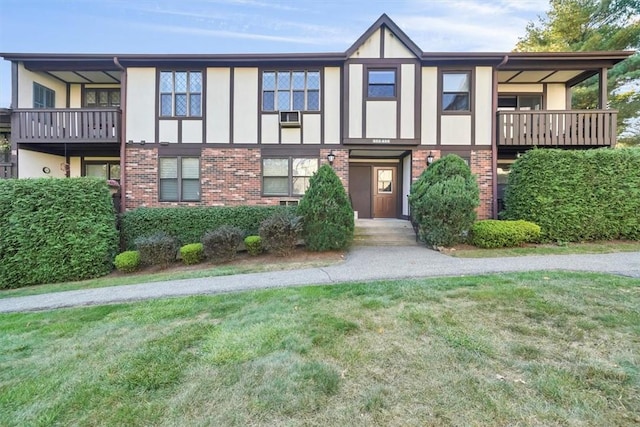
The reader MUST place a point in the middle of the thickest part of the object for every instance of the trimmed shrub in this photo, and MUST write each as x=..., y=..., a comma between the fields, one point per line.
x=192, y=253
x=222, y=244
x=280, y=233
x=577, y=195
x=188, y=224
x=157, y=249
x=55, y=230
x=127, y=261
x=327, y=212
x=253, y=245
x=493, y=233
x=443, y=202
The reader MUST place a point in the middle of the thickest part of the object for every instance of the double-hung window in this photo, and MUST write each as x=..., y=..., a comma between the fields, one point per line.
x=291, y=90
x=43, y=97
x=179, y=179
x=456, y=91
x=381, y=83
x=287, y=176
x=180, y=93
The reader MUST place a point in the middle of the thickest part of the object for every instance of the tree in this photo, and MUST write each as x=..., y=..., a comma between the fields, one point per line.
x=592, y=25
x=327, y=212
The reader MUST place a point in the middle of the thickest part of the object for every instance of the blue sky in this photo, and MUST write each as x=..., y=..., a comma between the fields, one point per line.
x=248, y=26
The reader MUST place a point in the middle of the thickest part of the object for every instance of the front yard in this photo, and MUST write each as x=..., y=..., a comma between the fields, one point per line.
x=513, y=349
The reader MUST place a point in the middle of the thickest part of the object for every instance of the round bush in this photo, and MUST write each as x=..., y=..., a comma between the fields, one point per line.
x=128, y=261
x=280, y=233
x=253, y=245
x=492, y=233
x=222, y=244
x=192, y=253
x=158, y=249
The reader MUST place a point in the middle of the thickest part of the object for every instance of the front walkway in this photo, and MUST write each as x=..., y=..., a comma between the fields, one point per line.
x=362, y=264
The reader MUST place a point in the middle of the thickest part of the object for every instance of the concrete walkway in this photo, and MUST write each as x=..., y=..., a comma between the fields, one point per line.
x=362, y=264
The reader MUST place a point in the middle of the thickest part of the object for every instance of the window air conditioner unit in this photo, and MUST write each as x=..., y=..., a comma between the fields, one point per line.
x=290, y=119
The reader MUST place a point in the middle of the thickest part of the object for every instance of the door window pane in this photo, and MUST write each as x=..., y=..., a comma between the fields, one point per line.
x=385, y=183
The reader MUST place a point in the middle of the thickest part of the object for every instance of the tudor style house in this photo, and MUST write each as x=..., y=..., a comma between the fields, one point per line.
x=252, y=129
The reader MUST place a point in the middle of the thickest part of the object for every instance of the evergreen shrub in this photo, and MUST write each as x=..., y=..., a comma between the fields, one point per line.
x=55, y=230
x=491, y=233
x=157, y=249
x=221, y=245
x=127, y=261
x=191, y=254
x=253, y=245
x=327, y=212
x=280, y=233
x=443, y=202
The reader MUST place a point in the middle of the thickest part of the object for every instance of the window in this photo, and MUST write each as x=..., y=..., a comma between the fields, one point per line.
x=519, y=102
x=43, y=97
x=179, y=179
x=104, y=170
x=287, y=176
x=455, y=91
x=381, y=84
x=180, y=93
x=291, y=90
x=102, y=98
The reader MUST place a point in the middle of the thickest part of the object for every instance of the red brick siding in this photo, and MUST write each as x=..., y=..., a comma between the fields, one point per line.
x=481, y=168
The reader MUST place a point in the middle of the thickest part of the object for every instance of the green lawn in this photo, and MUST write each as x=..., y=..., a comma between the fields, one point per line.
x=514, y=349
x=550, y=249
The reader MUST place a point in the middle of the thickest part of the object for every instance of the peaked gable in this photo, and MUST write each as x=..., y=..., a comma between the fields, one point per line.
x=384, y=39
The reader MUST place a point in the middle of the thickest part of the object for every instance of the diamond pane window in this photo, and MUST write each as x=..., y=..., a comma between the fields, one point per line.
x=115, y=98
x=284, y=80
x=194, y=107
x=313, y=100
x=268, y=99
x=313, y=80
x=165, y=104
x=181, y=81
x=90, y=97
x=181, y=105
x=298, y=100
x=298, y=80
x=268, y=80
x=166, y=81
x=284, y=101
x=195, y=82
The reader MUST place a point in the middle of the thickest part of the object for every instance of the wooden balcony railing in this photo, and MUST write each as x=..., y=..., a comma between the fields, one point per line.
x=557, y=128
x=66, y=125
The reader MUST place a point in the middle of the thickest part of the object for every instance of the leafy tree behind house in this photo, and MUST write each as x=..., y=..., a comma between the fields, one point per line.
x=327, y=212
x=593, y=25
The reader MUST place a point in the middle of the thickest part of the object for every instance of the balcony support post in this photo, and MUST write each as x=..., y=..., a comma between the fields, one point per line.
x=602, y=89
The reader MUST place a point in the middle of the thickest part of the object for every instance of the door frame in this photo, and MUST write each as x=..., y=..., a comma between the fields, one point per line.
x=371, y=164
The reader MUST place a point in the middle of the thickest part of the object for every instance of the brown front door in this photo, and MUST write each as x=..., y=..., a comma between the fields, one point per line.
x=360, y=189
x=384, y=192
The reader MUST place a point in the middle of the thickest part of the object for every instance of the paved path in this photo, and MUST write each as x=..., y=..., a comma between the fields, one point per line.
x=362, y=264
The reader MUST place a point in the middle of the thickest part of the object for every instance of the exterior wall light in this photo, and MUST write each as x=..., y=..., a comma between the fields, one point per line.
x=429, y=159
x=331, y=157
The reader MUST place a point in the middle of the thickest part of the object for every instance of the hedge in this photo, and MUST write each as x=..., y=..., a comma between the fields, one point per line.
x=577, y=195
x=491, y=233
x=55, y=230
x=188, y=224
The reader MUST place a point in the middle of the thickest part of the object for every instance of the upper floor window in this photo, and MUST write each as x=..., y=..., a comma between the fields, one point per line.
x=179, y=179
x=102, y=98
x=381, y=84
x=43, y=97
x=180, y=93
x=456, y=91
x=519, y=102
x=287, y=176
x=291, y=90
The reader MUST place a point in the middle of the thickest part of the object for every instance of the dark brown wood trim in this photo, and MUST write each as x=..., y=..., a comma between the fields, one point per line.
x=277, y=150
x=382, y=34
x=203, y=105
x=186, y=149
x=472, y=105
x=376, y=61
x=494, y=143
x=417, y=101
x=567, y=94
x=603, y=91
x=321, y=106
x=232, y=89
x=545, y=96
x=179, y=131
x=261, y=70
x=157, y=106
x=344, y=117
x=14, y=85
x=68, y=96
x=381, y=142
x=345, y=102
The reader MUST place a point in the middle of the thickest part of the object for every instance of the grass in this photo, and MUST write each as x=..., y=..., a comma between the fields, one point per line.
x=175, y=273
x=513, y=349
x=549, y=249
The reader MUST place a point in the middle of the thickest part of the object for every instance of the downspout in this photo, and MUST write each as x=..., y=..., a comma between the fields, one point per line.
x=123, y=132
x=494, y=131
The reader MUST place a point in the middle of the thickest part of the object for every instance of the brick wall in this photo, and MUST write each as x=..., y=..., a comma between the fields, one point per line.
x=340, y=164
x=481, y=168
x=141, y=173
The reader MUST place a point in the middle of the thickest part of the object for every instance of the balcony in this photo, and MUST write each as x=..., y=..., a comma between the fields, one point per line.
x=596, y=128
x=68, y=125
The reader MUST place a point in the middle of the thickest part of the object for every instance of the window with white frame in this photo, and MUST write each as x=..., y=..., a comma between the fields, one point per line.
x=456, y=91
x=291, y=90
x=287, y=176
x=180, y=93
x=179, y=179
x=381, y=84
x=43, y=97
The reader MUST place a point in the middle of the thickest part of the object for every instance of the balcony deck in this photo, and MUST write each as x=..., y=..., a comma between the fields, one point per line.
x=66, y=125
x=557, y=128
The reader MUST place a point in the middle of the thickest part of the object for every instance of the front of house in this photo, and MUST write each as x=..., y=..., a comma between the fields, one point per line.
x=213, y=130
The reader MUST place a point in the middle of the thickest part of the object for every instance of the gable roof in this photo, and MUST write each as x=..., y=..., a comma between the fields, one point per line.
x=386, y=22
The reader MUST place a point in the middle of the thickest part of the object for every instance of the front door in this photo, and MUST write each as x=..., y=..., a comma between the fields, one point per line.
x=384, y=192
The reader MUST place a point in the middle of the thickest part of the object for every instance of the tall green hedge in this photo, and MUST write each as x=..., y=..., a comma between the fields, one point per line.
x=55, y=230
x=188, y=224
x=577, y=195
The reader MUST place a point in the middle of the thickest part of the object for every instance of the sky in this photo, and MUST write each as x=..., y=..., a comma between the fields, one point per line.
x=251, y=26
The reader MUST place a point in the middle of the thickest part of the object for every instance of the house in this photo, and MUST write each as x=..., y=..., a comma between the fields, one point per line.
x=192, y=130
